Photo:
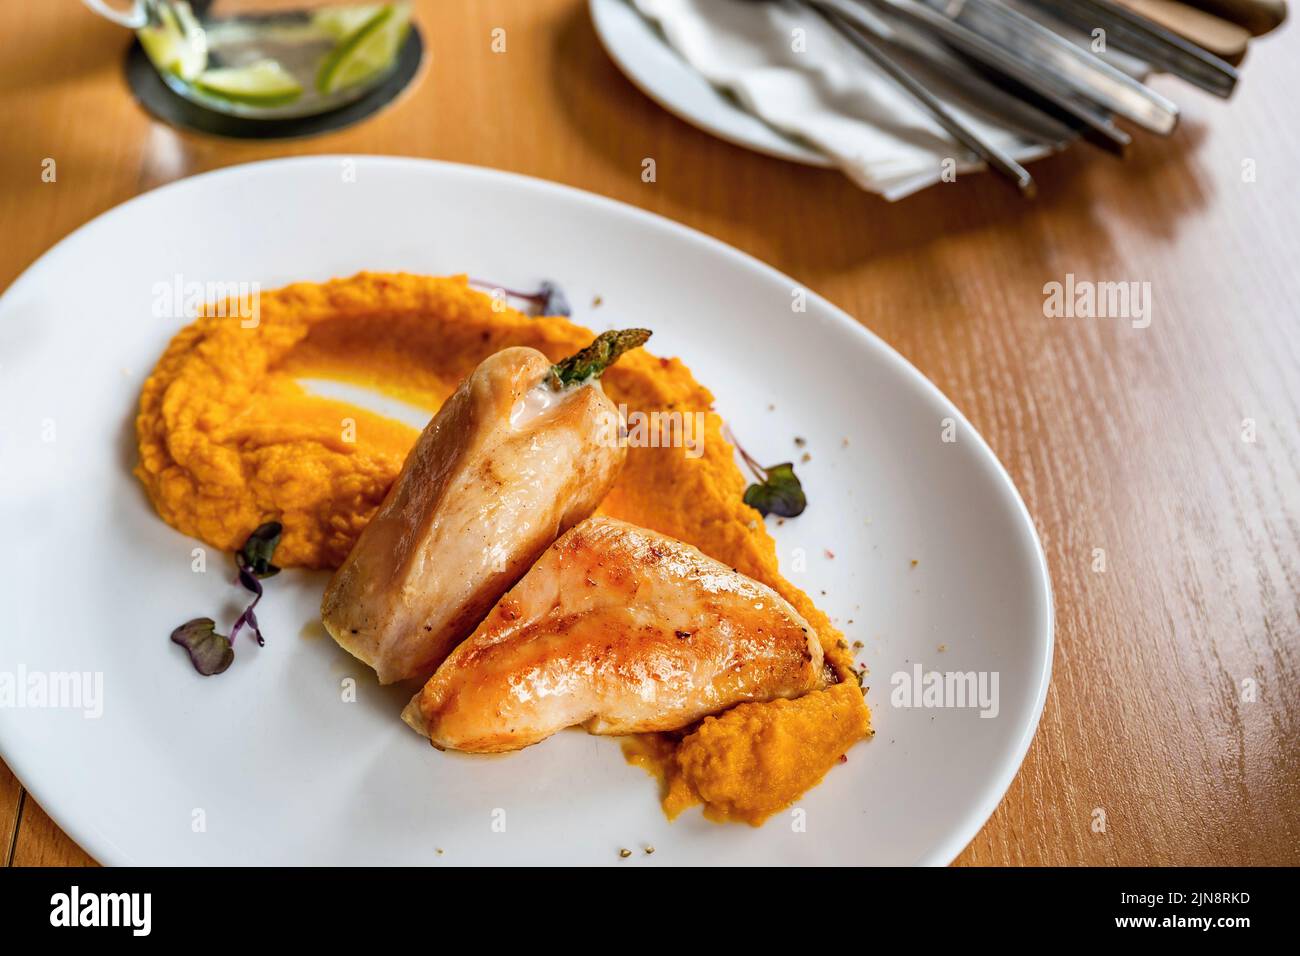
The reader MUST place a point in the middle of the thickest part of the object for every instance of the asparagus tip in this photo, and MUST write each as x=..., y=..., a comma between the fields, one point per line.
x=590, y=362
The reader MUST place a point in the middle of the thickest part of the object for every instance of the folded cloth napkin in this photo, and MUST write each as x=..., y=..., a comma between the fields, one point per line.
x=784, y=64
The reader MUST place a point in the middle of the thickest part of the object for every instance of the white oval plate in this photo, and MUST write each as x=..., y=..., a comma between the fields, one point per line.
x=267, y=764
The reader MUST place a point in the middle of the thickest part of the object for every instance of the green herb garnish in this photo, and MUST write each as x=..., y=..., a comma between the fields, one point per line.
x=596, y=357
x=777, y=491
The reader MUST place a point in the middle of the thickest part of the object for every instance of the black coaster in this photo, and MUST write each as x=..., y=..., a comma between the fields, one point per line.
x=156, y=97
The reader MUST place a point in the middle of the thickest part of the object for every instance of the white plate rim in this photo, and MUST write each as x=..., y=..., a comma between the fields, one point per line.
x=779, y=147
x=21, y=760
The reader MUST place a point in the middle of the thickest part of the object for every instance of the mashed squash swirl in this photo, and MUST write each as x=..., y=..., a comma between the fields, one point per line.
x=229, y=439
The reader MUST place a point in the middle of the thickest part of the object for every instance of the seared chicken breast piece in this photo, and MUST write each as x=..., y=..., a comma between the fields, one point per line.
x=515, y=457
x=619, y=630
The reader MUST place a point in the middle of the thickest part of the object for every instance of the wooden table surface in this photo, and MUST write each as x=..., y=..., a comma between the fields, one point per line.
x=1134, y=441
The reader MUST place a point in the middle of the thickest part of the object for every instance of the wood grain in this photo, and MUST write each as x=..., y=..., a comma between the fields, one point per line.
x=1121, y=439
x=11, y=799
x=41, y=843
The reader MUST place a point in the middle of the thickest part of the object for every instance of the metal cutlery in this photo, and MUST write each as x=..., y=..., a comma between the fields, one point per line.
x=1160, y=47
x=1257, y=16
x=1028, y=76
x=1093, y=122
x=919, y=47
x=1054, y=61
x=960, y=131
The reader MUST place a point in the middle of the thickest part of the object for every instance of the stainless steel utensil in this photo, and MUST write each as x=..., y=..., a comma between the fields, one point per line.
x=1055, y=60
x=1160, y=47
x=1095, y=123
x=916, y=47
x=964, y=134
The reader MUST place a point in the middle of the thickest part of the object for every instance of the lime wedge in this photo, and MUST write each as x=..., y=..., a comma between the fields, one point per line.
x=264, y=83
x=339, y=23
x=367, y=51
x=177, y=44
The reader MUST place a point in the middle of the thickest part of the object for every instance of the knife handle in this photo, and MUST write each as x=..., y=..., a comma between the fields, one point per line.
x=1257, y=16
x=1224, y=39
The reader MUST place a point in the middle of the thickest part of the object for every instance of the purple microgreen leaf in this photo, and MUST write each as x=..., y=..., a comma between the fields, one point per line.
x=210, y=652
x=257, y=630
x=250, y=619
x=258, y=550
x=549, y=297
x=249, y=581
x=553, y=300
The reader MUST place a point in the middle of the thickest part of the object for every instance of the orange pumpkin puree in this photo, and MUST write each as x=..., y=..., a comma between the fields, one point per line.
x=228, y=439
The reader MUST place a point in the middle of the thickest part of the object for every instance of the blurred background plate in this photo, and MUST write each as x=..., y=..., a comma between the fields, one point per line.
x=638, y=49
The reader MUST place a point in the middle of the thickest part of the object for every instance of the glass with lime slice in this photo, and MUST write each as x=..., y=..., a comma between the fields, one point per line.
x=176, y=43
x=237, y=58
x=365, y=53
x=264, y=83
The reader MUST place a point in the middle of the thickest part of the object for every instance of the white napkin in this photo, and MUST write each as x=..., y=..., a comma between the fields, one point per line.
x=824, y=91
